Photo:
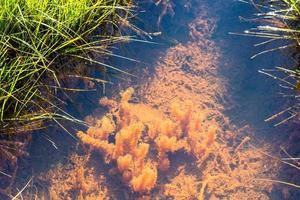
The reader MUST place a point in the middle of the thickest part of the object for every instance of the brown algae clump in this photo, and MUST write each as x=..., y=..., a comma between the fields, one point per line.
x=142, y=143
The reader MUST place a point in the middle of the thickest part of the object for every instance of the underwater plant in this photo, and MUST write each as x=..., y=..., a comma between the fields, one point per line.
x=183, y=131
x=173, y=143
x=138, y=149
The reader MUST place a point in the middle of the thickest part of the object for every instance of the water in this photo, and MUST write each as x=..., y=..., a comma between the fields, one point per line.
x=256, y=95
x=196, y=64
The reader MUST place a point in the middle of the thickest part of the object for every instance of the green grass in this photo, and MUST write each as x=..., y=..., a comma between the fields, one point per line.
x=279, y=20
x=35, y=38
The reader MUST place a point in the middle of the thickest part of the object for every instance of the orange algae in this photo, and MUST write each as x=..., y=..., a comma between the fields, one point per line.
x=197, y=130
x=167, y=144
x=129, y=153
x=74, y=181
x=182, y=116
x=183, y=130
x=102, y=130
x=133, y=144
x=127, y=139
x=100, y=145
x=124, y=162
x=145, y=181
x=182, y=187
x=180, y=129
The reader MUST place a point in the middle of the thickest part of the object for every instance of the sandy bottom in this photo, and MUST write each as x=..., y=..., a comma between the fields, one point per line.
x=167, y=138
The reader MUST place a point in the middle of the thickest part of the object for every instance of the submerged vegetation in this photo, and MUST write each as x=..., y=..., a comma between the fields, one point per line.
x=167, y=139
x=181, y=154
x=186, y=131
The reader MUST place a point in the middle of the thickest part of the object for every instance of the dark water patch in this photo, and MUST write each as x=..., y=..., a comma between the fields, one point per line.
x=255, y=96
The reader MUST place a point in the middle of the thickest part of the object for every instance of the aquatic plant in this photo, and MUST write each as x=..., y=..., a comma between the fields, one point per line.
x=173, y=125
x=80, y=182
x=130, y=150
x=182, y=187
x=141, y=149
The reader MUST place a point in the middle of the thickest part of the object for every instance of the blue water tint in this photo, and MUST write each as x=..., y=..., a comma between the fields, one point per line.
x=254, y=96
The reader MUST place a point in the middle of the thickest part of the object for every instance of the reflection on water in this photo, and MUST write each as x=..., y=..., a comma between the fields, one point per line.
x=190, y=128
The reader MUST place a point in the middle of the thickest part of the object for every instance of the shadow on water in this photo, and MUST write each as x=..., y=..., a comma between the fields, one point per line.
x=256, y=96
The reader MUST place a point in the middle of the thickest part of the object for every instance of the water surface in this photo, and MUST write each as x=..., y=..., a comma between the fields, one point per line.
x=195, y=61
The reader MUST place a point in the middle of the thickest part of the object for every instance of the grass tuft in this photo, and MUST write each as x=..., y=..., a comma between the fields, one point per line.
x=36, y=37
x=279, y=22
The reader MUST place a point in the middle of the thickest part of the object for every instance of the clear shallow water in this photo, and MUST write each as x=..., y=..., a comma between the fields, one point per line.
x=254, y=97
